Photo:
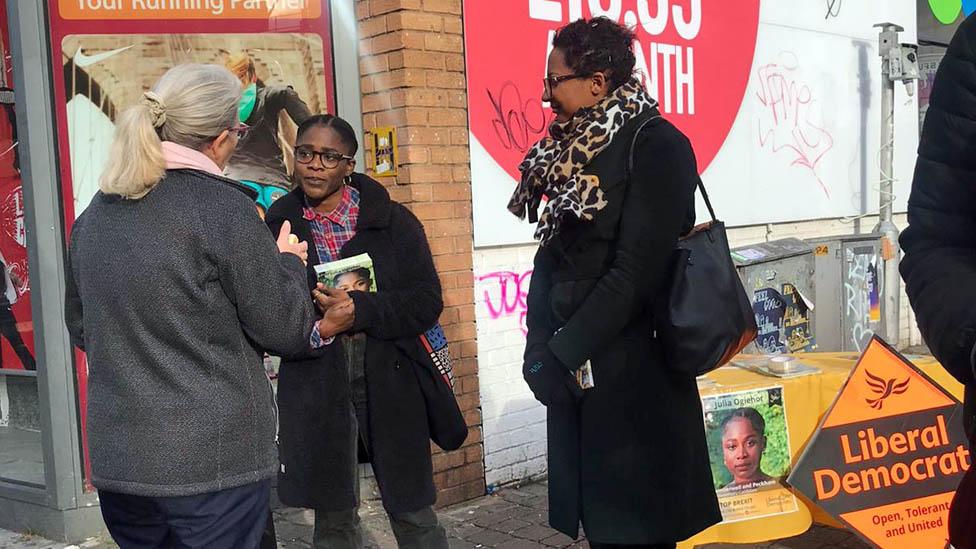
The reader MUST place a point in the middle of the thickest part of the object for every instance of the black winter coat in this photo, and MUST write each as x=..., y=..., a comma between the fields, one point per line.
x=173, y=314
x=629, y=460
x=939, y=266
x=318, y=459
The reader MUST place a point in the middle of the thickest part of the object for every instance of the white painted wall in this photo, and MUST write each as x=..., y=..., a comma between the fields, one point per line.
x=513, y=422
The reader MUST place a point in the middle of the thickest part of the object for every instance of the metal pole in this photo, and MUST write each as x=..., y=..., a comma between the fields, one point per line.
x=891, y=286
x=45, y=245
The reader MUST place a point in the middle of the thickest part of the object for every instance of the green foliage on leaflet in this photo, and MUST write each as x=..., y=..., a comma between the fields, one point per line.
x=776, y=457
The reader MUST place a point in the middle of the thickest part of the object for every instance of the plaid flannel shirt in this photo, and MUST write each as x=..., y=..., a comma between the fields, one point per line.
x=330, y=232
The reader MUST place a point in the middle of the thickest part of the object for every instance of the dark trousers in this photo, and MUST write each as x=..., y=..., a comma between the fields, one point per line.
x=269, y=540
x=413, y=530
x=341, y=529
x=8, y=327
x=962, y=512
x=229, y=519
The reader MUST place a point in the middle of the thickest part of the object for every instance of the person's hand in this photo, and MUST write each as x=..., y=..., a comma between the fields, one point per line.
x=325, y=297
x=339, y=314
x=288, y=243
x=334, y=293
x=549, y=380
x=15, y=279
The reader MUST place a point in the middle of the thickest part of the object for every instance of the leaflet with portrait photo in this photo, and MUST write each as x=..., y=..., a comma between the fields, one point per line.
x=749, y=451
x=350, y=273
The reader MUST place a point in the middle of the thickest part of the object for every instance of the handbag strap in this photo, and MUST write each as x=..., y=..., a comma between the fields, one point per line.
x=630, y=166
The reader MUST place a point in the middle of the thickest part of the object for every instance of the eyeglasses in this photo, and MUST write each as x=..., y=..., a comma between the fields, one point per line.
x=550, y=82
x=329, y=158
x=241, y=130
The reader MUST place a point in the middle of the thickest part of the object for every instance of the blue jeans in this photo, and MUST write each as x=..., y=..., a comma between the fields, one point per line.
x=233, y=518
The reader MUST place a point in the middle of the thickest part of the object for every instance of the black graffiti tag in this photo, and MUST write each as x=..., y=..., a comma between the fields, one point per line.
x=518, y=123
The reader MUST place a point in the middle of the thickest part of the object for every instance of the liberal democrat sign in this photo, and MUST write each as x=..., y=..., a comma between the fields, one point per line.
x=889, y=453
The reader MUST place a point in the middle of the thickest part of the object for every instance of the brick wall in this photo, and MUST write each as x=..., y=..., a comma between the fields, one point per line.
x=514, y=423
x=412, y=77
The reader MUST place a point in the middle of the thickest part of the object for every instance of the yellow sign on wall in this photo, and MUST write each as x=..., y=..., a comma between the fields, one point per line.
x=385, y=155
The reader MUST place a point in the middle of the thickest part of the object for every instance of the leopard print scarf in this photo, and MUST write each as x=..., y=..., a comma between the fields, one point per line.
x=554, y=166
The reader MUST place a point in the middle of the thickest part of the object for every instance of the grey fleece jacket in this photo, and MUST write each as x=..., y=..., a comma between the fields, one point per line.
x=173, y=297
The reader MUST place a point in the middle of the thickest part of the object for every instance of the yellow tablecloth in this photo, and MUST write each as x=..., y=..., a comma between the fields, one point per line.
x=806, y=400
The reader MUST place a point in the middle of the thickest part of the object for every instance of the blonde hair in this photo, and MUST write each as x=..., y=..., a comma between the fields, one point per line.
x=242, y=66
x=190, y=105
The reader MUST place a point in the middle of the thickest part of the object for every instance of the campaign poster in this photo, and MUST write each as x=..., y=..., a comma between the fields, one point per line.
x=112, y=51
x=749, y=451
x=350, y=274
x=889, y=454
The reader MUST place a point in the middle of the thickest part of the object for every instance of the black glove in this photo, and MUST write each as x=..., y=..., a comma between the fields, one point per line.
x=550, y=381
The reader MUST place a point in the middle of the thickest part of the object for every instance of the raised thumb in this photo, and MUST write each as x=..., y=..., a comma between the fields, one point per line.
x=284, y=232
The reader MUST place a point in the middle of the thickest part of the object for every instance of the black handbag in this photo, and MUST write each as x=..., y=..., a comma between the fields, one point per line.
x=705, y=318
x=435, y=377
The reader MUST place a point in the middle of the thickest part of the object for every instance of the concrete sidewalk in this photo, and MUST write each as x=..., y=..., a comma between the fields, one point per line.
x=513, y=518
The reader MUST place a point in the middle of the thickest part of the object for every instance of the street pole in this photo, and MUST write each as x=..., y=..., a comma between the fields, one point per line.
x=898, y=62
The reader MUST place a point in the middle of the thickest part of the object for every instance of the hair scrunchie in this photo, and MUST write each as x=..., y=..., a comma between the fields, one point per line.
x=157, y=108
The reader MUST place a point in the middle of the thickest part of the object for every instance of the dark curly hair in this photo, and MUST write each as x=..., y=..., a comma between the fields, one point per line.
x=749, y=414
x=598, y=45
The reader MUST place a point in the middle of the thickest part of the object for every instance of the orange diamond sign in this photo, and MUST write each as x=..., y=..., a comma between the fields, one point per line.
x=888, y=454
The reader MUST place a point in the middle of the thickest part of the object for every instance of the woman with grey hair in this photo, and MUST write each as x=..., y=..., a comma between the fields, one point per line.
x=174, y=290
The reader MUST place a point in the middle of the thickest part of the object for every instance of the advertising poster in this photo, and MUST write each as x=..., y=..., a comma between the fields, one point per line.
x=889, y=453
x=749, y=450
x=694, y=57
x=285, y=76
x=16, y=326
x=112, y=51
x=778, y=100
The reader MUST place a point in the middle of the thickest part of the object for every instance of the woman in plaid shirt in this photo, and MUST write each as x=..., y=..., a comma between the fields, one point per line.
x=354, y=396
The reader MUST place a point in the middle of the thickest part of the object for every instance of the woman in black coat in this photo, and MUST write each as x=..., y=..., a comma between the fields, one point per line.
x=627, y=456
x=939, y=266
x=355, y=395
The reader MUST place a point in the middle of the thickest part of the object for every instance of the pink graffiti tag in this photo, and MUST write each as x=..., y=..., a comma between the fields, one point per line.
x=785, y=122
x=507, y=296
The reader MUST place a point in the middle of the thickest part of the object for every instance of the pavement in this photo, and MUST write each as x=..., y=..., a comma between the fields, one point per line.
x=511, y=518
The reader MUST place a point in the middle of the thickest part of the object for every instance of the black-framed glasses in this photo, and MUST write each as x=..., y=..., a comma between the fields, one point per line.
x=329, y=158
x=550, y=82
